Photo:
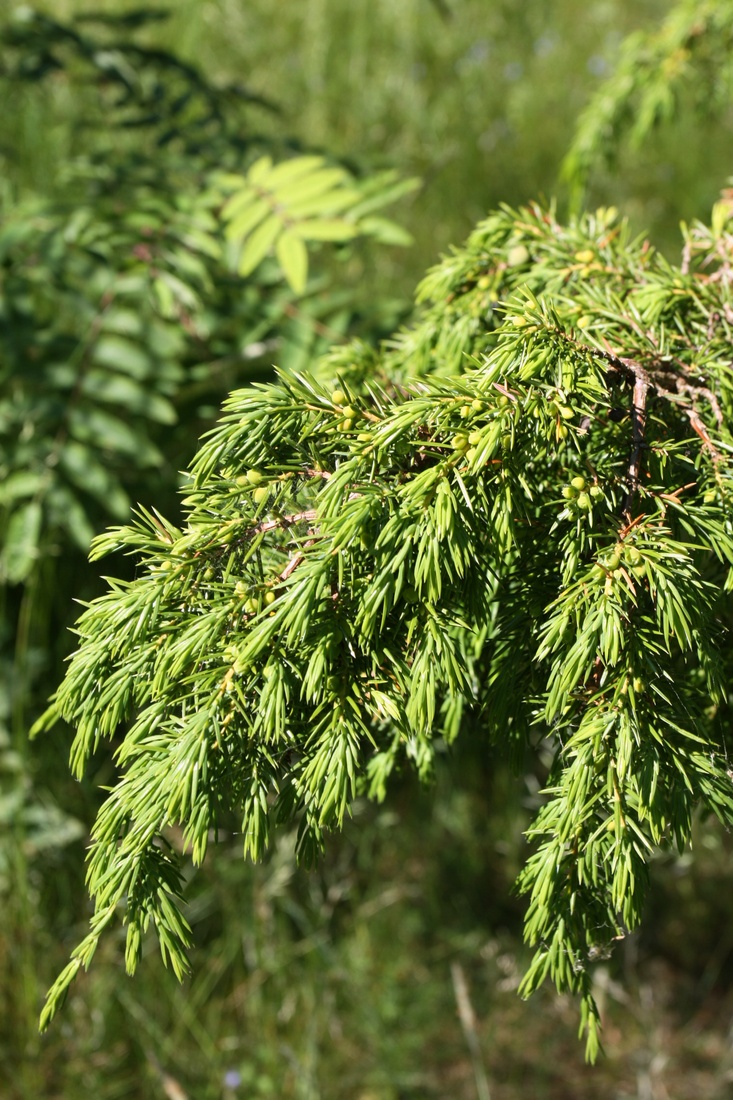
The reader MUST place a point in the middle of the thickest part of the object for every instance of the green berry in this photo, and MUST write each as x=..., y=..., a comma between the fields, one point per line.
x=578, y=483
x=349, y=412
x=506, y=442
x=338, y=397
x=474, y=438
x=477, y=406
x=260, y=495
x=459, y=442
x=270, y=598
x=254, y=477
x=502, y=401
x=569, y=492
x=596, y=492
x=613, y=562
x=584, y=502
x=633, y=556
x=465, y=411
x=517, y=256
x=566, y=412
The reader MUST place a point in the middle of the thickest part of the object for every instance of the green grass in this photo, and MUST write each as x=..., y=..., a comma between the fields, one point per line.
x=481, y=105
x=339, y=983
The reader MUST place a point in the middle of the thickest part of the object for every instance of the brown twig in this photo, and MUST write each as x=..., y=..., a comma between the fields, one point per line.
x=699, y=426
x=630, y=526
x=638, y=419
x=291, y=566
x=283, y=522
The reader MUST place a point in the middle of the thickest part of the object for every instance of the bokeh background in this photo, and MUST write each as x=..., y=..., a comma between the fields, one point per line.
x=390, y=972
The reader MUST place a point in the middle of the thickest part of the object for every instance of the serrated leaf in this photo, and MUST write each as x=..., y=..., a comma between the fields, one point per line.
x=325, y=229
x=293, y=258
x=21, y=483
x=20, y=549
x=66, y=511
x=259, y=170
x=118, y=389
x=108, y=433
x=288, y=171
x=245, y=214
x=84, y=470
x=377, y=198
x=319, y=183
x=163, y=297
x=258, y=245
x=181, y=293
x=386, y=231
x=122, y=355
x=331, y=203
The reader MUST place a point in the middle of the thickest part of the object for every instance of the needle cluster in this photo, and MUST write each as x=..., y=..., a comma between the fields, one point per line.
x=514, y=522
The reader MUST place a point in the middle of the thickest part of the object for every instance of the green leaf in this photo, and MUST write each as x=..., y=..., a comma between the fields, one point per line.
x=246, y=211
x=325, y=229
x=20, y=550
x=258, y=245
x=83, y=469
x=290, y=171
x=293, y=258
x=109, y=434
x=120, y=390
x=122, y=355
x=323, y=185
x=386, y=231
x=21, y=483
x=67, y=513
x=260, y=170
x=331, y=203
x=382, y=190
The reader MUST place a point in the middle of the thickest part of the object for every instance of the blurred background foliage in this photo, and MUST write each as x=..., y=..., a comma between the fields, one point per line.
x=390, y=972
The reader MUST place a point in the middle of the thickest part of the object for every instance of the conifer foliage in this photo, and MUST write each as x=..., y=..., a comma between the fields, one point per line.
x=513, y=522
x=539, y=546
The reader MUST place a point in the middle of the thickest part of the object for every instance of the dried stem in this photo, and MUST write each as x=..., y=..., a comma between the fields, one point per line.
x=638, y=419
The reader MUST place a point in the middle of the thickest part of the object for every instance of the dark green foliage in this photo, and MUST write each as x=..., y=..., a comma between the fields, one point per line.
x=517, y=526
x=133, y=303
